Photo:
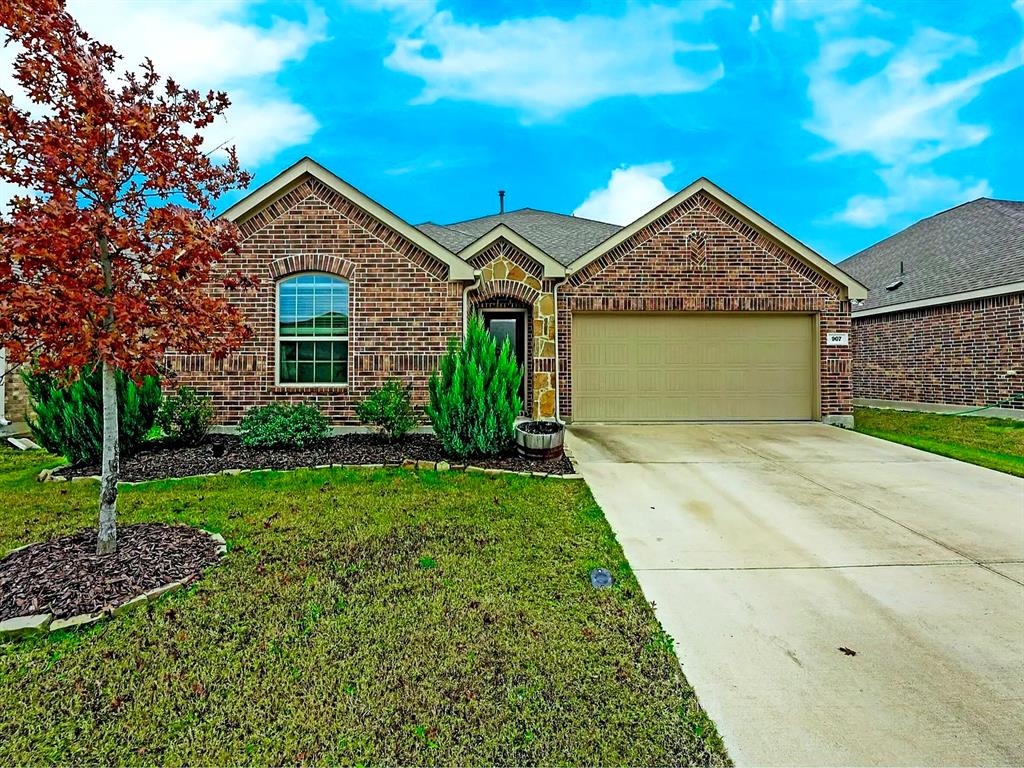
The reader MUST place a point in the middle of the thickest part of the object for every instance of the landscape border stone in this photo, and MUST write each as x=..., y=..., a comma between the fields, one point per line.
x=412, y=465
x=37, y=624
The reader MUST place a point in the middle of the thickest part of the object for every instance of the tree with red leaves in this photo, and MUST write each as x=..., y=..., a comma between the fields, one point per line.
x=108, y=257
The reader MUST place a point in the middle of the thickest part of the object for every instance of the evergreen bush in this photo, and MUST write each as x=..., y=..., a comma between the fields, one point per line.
x=68, y=418
x=474, y=395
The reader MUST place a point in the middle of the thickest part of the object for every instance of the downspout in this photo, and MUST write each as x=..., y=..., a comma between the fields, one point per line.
x=558, y=384
x=465, y=301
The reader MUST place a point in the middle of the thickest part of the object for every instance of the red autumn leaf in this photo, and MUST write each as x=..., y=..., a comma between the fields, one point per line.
x=112, y=165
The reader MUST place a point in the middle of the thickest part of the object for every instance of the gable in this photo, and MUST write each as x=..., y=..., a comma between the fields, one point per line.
x=703, y=259
x=501, y=235
x=307, y=177
x=704, y=196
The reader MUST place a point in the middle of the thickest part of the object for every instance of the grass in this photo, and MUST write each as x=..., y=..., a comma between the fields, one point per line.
x=361, y=617
x=993, y=443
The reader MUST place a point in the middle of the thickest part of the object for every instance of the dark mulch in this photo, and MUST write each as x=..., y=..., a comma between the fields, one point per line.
x=540, y=427
x=66, y=577
x=220, y=452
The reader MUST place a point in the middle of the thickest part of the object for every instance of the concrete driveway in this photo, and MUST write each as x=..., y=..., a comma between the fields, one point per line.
x=769, y=547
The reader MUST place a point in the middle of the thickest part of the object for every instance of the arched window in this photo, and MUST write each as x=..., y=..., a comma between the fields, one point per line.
x=312, y=329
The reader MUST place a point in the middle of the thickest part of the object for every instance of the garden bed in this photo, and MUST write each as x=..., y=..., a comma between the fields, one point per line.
x=66, y=577
x=225, y=452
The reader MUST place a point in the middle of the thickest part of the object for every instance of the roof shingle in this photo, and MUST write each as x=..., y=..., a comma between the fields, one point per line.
x=563, y=238
x=974, y=246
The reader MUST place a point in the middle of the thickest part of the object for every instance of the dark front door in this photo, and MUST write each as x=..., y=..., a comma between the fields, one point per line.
x=511, y=326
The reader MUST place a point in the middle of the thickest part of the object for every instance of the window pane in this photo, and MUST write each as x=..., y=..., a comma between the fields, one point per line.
x=340, y=370
x=313, y=305
x=306, y=350
x=305, y=373
x=322, y=373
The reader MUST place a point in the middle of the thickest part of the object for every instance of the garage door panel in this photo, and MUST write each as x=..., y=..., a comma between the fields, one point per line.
x=677, y=367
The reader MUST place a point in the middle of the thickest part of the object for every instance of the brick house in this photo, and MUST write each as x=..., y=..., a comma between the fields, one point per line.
x=944, y=321
x=699, y=310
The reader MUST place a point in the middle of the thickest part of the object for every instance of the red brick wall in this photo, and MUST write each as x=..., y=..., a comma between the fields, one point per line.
x=698, y=257
x=956, y=354
x=402, y=308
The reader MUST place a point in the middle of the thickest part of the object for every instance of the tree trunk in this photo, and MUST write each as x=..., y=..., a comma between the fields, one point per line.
x=106, y=542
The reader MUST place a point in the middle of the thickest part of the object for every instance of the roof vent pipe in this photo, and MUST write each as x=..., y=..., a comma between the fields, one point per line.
x=901, y=267
x=501, y=201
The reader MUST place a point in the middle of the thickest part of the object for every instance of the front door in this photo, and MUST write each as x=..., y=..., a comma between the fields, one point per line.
x=511, y=326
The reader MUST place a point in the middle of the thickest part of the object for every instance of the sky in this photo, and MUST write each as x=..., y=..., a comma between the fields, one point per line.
x=841, y=121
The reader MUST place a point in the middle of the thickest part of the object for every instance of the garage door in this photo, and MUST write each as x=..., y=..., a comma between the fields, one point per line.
x=679, y=367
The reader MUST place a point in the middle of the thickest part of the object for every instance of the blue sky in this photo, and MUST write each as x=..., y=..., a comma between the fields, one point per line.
x=840, y=121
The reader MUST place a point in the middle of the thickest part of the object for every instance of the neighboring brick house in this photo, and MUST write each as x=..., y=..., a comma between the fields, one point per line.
x=701, y=309
x=943, y=324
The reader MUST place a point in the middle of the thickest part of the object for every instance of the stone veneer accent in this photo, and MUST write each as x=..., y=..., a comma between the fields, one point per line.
x=17, y=406
x=953, y=354
x=510, y=279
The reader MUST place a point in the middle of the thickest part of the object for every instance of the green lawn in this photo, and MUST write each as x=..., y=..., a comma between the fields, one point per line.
x=371, y=617
x=993, y=443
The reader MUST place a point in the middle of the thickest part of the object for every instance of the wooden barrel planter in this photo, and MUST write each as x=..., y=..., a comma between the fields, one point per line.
x=540, y=440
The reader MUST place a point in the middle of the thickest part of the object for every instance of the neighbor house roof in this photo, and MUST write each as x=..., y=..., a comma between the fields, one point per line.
x=973, y=250
x=563, y=238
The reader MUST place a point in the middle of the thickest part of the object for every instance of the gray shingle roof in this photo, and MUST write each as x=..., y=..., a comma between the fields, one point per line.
x=973, y=246
x=563, y=238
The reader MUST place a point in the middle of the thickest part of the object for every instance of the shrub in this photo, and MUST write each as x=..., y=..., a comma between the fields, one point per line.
x=283, y=425
x=474, y=395
x=185, y=417
x=69, y=417
x=389, y=409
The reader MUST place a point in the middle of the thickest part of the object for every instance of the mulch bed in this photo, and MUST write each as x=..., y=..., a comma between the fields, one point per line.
x=220, y=452
x=66, y=577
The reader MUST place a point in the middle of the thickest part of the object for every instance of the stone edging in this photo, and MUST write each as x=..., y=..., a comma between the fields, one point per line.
x=42, y=623
x=50, y=476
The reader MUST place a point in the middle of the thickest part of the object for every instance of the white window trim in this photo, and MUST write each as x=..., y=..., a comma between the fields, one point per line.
x=278, y=338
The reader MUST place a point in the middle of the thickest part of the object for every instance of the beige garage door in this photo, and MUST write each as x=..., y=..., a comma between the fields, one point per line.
x=679, y=367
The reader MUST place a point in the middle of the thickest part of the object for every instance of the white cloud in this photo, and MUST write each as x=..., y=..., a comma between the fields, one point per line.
x=909, y=193
x=200, y=43
x=755, y=24
x=545, y=66
x=899, y=104
x=631, y=192
x=902, y=112
x=825, y=13
x=204, y=45
x=261, y=126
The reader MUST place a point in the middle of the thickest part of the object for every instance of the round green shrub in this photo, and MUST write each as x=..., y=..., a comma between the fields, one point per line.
x=186, y=416
x=283, y=425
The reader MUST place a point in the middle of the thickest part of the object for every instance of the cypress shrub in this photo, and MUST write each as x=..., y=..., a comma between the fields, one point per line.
x=68, y=418
x=474, y=395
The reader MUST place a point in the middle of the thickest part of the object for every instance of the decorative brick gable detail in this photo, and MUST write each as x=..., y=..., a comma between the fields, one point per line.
x=737, y=269
x=402, y=307
x=955, y=354
x=320, y=262
x=354, y=214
